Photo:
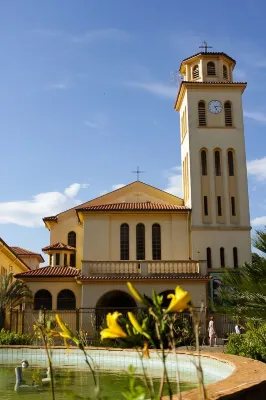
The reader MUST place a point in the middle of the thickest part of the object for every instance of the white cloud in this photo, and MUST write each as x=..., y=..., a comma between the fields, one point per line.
x=257, y=168
x=118, y=186
x=29, y=213
x=174, y=184
x=160, y=89
x=256, y=116
x=98, y=122
x=258, y=221
x=57, y=86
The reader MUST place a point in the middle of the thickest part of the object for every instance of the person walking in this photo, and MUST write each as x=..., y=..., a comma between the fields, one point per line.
x=211, y=329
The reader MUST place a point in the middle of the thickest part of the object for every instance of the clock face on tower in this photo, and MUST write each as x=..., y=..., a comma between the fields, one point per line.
x=215, y=106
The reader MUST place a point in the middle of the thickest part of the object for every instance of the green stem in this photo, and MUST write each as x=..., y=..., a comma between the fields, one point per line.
x=150, y=388
x=44, y=338
x=176, y=359
x=96, y=385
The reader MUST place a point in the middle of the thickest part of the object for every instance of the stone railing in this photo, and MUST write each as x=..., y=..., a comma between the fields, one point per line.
x=141, y=267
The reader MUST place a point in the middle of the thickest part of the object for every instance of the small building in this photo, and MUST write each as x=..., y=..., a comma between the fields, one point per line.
x=10, y=261
x=32, y=259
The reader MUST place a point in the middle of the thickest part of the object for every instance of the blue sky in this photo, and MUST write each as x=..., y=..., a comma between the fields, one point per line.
x=86, y=96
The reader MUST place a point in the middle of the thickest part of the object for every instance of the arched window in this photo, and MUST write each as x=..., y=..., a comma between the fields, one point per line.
x=217, y=162
x=222, y=259
x=230, y=159
x=235, y=257
x=228, y=114
x=204, y=167
x=156, y=242
x=209, y=257
x=202, y=113
x=225, y=72
x=124, y=242
x=43, y=299
x=66, y=300
x=71, y=239
x=195, y=72
x=140, y=242
x=211, y=68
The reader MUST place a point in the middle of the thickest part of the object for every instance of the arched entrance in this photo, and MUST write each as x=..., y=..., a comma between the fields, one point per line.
x=66, y=300
x=43, y=299
x=115, y=300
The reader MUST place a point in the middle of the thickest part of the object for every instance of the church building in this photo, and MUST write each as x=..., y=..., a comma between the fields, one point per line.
x=144, y=235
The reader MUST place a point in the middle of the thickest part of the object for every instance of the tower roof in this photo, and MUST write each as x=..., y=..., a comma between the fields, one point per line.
x=207, y=54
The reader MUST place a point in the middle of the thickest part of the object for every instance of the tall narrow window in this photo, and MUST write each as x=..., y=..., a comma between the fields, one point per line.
x=230, y=159
x=202, y=113
x=72, y=260
x=65, y=259
x=211, y=68
x=219, y=206
x=209, y=257
x=233, y=206
x=217, y=160
x=205, y=203
x=124, y=242
x=57, y=259
x=222, y=259
x=140, y=242
x=235, y=257
x=71, y=239
x=225, y=72
x=204, y=169
x=228, y=114
x=156, y=242
x=195, y=72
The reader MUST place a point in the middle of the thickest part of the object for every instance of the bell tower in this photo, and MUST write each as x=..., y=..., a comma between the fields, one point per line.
x=213, y=159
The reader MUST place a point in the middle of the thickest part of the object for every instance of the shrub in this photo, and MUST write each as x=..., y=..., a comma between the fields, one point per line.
x=251, y=344
x=13, y=338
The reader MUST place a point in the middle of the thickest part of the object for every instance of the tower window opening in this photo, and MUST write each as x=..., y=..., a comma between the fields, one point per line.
x=228, y=114
x=211, y=68
x=204, y=169
x=205, y=203
x=217, y=160
x=202, y=113
x=233, y=206
x=235, y=257
x=209, y=257
x=124, y=242
x=231, y=168
x=57, y=259
x=196, y=72
x=140, y=242
x=219, y=206
x=222, y=258
x=225, y=72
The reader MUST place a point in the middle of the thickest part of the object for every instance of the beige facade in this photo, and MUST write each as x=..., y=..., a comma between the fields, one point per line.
x=10, y=261
x=155, y=239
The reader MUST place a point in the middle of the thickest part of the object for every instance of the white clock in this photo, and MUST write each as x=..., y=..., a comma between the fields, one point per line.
x=215, y=106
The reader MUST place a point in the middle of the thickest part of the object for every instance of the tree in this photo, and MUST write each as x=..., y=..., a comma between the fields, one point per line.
x=243, y=291
x=13, y=293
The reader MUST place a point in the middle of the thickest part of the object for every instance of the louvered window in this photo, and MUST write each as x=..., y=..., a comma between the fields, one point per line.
x=231, y=168
x=202, y=113
x=225, y=72
x=209, y=257
x=211, y=68
x=217, y=159
x=228, y=114
x=222, y=258
x=204, y=168
x=196, y=72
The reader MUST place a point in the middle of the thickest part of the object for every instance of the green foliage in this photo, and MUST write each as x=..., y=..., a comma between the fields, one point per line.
x=13, y=338
x=135, y=391
x=251, y=344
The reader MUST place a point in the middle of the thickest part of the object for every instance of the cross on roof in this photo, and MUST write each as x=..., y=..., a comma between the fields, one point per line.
x=205, y=46
x=137, y=172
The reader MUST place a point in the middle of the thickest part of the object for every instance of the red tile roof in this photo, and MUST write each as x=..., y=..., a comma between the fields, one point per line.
x=50, y=272
x=58, y=246
x=52, y=218
x=132, y=277
x=24, y=252
x=146, y=206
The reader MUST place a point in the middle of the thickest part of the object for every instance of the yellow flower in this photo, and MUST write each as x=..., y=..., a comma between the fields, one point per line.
x=179, y=301
x=136, y=325
x=145, y=350
x=66, y=333
x=135, y=293
x=114, y=330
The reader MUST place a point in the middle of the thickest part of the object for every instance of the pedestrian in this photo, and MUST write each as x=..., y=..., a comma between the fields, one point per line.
x=238, y=329
x=212, y=334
